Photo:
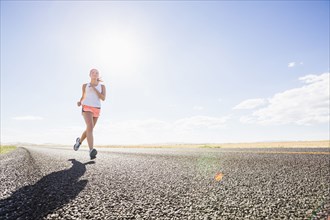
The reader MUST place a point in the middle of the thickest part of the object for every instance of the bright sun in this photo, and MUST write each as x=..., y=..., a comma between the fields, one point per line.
x=119, y=52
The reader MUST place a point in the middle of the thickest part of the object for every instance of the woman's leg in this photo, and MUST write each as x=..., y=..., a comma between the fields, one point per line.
x=88, y=116
x=83, y=136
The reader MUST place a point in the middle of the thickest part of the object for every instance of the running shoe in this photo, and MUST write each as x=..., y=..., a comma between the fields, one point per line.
x=93, y=153
x=77, y=144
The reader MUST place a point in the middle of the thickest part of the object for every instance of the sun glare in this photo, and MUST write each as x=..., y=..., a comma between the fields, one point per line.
x=118, y=52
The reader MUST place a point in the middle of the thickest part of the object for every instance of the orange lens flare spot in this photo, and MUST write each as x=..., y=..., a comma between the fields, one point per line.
x=218, y=176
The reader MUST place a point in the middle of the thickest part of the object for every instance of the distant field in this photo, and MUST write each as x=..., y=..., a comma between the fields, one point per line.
x=289, y=144
x=5, y=149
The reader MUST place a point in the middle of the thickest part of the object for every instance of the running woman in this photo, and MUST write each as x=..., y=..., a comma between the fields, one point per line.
x=92, y=94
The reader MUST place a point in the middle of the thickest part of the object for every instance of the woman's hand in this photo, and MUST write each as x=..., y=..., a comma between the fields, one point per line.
x=79, y=104
x=100, y=95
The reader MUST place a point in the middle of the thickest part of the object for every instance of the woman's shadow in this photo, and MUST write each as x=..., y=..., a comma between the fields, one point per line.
x=48, y=194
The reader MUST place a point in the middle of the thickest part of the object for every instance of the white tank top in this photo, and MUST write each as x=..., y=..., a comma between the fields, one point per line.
x=91, y=98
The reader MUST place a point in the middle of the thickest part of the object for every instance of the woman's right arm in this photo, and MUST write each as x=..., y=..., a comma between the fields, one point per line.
x=83, y=94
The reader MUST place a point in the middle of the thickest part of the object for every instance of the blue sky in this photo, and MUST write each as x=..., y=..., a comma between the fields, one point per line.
x=197, y=72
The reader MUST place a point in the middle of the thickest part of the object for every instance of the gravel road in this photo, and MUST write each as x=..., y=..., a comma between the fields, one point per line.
x=59, y=183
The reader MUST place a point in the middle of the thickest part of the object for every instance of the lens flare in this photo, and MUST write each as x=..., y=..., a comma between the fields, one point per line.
x=218, y=176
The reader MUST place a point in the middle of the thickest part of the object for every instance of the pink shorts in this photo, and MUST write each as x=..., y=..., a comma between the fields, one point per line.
x=94, y=110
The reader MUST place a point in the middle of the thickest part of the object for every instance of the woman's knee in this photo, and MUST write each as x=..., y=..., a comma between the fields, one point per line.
x=89, y=128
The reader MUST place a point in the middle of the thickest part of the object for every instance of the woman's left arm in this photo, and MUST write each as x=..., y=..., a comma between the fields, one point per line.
x=101, y=95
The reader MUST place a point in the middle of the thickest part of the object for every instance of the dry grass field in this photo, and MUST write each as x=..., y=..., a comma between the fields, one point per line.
x=289, y=144
x=5, y=149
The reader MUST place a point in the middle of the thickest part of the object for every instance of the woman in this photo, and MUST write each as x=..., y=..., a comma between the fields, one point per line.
x=92, y=94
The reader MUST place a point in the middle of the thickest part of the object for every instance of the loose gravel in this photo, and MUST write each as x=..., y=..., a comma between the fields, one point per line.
x=46, y=183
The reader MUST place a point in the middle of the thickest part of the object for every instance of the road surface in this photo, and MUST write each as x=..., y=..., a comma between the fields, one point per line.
x=59, y=183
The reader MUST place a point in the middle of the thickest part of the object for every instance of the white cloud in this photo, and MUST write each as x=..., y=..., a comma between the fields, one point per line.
x=314, y=78
x=198, y=108
x=148, y=125
x=133, y=131
x=159, y=131
x=27, y=118
x=305, y=105
x=200, y=122
x=152, y=125
x=250, y=104
x=292, y=64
